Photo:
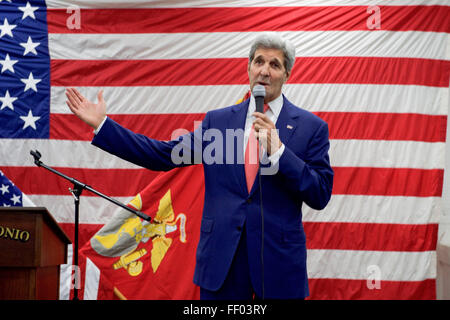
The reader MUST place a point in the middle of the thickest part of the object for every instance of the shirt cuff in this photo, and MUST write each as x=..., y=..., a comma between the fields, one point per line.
x=275, y=157
x=100, y=126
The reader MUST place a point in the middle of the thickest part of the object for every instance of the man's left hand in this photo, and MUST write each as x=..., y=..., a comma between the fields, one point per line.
x=266, y=132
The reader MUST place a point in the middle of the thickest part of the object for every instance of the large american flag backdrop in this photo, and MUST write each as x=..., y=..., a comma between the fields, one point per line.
x=376, y=71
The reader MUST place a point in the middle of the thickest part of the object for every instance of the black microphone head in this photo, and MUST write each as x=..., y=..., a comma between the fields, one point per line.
x=259, y=91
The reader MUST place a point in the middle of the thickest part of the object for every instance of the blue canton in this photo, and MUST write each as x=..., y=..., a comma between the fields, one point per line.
x=10, y=195
x=24, y=70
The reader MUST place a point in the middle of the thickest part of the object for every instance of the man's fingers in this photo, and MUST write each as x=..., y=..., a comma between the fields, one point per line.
x=100, y=96
x=262, y=118
x=78, y=95
x=75, y=102
x=261, y=124
x=72, y=107
x=73, y=97
x=260, y=115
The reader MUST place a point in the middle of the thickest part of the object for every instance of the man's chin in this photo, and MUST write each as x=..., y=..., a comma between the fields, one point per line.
x=269, y=96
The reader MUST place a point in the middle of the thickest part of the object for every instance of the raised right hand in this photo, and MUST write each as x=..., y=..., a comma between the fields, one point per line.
x=91, y=113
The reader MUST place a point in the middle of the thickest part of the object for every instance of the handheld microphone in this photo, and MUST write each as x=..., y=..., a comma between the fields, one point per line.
x=259, y=92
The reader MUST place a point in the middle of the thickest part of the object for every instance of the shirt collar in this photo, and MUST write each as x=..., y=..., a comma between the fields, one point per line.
x=275, y=105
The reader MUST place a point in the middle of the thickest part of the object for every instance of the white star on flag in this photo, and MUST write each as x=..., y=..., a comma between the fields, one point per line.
x=8, y=64
x=30, y=83
x=7, y=28
x=7, y=101
x=4, y=189
x=28, y=11
x=15, y=199
x=29, y=46
x=30, y=120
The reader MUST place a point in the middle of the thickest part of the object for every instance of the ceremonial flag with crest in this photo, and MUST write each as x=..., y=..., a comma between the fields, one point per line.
x=151, y=260
x=378, y=73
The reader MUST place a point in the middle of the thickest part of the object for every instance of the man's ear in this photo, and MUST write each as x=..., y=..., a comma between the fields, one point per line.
x=288, y=74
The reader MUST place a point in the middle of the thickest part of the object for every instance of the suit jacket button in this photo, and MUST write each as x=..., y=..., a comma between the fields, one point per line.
x=249, y=200
x=239, y=228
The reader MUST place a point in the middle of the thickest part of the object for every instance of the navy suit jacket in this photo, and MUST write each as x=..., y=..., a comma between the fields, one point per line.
x=304, y=176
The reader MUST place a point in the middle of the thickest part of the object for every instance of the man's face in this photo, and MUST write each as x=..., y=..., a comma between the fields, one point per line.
x=267, y=69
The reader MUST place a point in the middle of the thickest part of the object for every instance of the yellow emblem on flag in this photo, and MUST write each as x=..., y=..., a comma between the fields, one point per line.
x=122, y=236
x=130, y=263
x=136, y=202
x=131, y=226
x=161, y=225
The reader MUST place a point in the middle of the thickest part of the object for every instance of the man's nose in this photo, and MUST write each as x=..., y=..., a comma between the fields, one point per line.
x=265, y=70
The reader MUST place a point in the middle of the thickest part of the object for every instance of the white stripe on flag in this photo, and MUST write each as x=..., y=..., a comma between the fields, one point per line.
x=412, y=44
x=377, y=209
x=93, y=210
x=352, y=264
x=26, y=201
x=343, y=153
x=92, y=280
x=65, y=276
x=312, y=97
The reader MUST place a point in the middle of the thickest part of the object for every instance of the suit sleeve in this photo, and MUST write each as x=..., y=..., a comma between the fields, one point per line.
x=146, y=152
x=310, y=176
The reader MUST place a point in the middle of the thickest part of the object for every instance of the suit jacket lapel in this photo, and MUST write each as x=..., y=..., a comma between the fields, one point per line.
x=286, y=123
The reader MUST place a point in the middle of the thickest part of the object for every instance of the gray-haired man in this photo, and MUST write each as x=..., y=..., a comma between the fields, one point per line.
x=243, y=253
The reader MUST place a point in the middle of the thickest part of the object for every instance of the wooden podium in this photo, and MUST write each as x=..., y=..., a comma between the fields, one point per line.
x=32, y=247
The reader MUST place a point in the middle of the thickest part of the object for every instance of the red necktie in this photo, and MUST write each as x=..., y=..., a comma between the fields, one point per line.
x=251, y=159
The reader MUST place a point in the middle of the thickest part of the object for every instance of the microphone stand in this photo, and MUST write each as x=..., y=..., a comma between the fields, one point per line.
x=78, y=188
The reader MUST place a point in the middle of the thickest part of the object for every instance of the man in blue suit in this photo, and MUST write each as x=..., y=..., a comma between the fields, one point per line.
x=252, y=241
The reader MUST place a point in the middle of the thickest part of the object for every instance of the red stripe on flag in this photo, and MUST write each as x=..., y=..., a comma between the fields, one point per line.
x=388, y=181
x=371, y=70
x=148, y=72
x=228, y=71
x=385, y=126
x=112, y=182
x=172, y=20
x=129, y=182
x=371, y=236
x=342, y=125
x=350, y=289
x=69, y=127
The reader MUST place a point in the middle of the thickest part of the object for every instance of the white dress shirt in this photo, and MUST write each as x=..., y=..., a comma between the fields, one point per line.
x=273, y=113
